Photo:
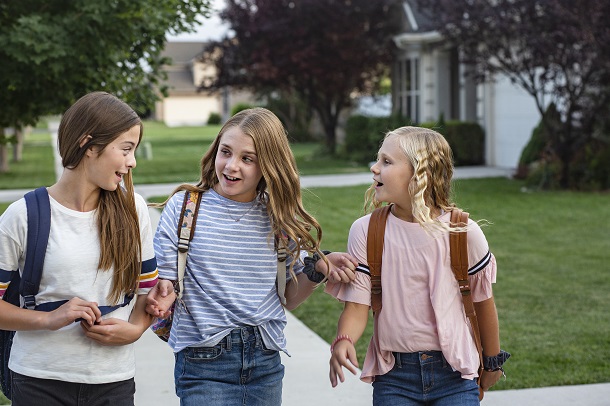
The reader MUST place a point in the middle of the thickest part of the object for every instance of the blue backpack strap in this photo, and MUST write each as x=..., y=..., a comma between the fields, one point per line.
x=39, y=225
x=50, y=306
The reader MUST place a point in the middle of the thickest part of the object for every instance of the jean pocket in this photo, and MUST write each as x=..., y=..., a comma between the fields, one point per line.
x=204, y=354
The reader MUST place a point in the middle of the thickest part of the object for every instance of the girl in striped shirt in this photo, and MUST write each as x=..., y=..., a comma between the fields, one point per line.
x=228, y=335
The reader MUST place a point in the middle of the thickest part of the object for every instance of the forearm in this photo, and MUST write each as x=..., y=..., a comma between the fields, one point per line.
x=18, y=319
x=353, y=320
x=487, y=317
x=299, y=290
x=139, y=317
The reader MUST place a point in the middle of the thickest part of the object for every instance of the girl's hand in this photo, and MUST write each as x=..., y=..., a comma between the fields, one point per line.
x=74, y=309
x=489, y=379
x=160, y=299
x=112, y=332
x=343, y=267
x=343, y=355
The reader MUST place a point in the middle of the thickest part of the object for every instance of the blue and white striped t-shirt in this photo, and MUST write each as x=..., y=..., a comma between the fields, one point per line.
x=230, y=272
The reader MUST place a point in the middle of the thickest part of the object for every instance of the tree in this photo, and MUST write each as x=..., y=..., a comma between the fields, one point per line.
x=556, y=50
x=54, y=51
x=321, y=50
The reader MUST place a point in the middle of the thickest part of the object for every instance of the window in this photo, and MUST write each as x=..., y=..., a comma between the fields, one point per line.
x=408, y=97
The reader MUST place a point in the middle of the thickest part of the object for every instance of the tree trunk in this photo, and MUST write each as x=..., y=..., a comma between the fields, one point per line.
x=18, y=146
x=4, y=158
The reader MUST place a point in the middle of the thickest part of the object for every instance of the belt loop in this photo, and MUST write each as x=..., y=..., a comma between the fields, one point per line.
x=397, y=360
x=229, y=338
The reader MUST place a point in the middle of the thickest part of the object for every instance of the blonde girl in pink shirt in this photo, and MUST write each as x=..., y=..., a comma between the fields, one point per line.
x=422, y=351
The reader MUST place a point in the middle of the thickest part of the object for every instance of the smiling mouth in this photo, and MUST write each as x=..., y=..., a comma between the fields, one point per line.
x=231, y=178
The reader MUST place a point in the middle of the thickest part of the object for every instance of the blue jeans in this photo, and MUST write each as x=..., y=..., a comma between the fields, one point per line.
x=423, y=378
x=237, y=371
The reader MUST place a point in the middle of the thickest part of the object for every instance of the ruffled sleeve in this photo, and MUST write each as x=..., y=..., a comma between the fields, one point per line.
x=359, y=291
x=482, y=270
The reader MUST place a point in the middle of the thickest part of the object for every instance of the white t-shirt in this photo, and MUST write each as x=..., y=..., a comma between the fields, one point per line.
x=71, y=269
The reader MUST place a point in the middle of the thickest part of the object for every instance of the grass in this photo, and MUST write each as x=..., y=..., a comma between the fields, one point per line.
x=175, y=158
x=552, y=287
x=551, y=247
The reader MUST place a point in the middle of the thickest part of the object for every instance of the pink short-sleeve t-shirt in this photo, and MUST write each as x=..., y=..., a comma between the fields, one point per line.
x=422, y=307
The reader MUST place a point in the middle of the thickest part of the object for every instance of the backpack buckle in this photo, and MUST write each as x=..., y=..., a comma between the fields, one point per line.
x=29, y=302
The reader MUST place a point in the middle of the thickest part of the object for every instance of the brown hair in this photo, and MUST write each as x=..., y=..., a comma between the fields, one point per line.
x=103, y=117
x=279, y=187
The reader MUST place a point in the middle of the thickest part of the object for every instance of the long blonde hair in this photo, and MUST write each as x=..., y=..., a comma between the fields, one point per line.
x=103, y=117
x=279, y=187
x=430, y=156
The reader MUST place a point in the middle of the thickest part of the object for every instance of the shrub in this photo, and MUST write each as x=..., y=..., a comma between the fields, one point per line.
x=239, y=107
x=214, y=119
x=363, y=135
x=466, y=139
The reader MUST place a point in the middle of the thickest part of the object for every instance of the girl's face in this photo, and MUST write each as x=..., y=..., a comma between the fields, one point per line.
x=392, y=173
x=106, y=167
x=237, y=166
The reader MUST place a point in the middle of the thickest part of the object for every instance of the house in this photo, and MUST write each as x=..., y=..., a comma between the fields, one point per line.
x=184, y=105
x=428, y=80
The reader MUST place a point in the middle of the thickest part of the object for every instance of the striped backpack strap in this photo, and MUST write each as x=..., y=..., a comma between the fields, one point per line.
x=282, y=255
x=186, y=230
x=374, y=251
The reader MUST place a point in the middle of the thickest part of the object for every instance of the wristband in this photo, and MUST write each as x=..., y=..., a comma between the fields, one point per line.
x=310, y=268
x=492, y=364
x=340, y=338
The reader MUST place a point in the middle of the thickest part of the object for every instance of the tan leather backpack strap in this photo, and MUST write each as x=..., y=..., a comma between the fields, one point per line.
x=458, y=244
x=374, y=251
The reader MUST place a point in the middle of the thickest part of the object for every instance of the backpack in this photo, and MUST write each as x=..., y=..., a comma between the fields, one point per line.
x=458, y=245
x=186, y=230
x=26, y=286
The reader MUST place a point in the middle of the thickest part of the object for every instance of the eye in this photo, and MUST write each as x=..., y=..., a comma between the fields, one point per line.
x=247, y=159
x=225, y=151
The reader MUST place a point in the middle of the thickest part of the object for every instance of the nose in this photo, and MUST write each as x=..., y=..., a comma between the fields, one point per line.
x=131, y=161
x=232, y=163
x=374, y=168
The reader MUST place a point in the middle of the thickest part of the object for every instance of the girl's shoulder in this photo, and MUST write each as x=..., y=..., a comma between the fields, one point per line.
x=15, y=213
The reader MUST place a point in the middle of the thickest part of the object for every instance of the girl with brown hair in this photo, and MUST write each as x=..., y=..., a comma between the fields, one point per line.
x=99, y=253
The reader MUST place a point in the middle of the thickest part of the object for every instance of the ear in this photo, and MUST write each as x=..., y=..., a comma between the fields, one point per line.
x=85, y=140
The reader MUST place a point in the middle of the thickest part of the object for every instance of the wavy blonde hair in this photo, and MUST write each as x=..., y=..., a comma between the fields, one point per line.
x=430, y=187
x=104, y=117
x=279, y=188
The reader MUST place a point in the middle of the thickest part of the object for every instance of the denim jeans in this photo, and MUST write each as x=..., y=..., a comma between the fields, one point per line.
x=424, y=378
x=237, y=371
x=29, y=391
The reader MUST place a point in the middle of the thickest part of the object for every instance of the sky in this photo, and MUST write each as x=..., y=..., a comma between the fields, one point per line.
x=210, y=28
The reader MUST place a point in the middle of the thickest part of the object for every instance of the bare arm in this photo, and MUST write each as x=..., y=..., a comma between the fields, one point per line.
x=19, y=319
x=342, y=268
x=487, y=317
x=351, y=324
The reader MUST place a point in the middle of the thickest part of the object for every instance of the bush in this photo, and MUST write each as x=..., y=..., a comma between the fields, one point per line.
x=239, y=107
x=534, y=149
x=214, y=119
x=466, y=139
x=363, y=135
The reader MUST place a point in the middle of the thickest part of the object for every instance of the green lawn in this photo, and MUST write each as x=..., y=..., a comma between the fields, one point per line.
x=176, y=155
x=552, y=249
x=552, y=288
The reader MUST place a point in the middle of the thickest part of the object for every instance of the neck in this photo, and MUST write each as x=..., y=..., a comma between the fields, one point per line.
x=403, y=214
x=71, y=193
